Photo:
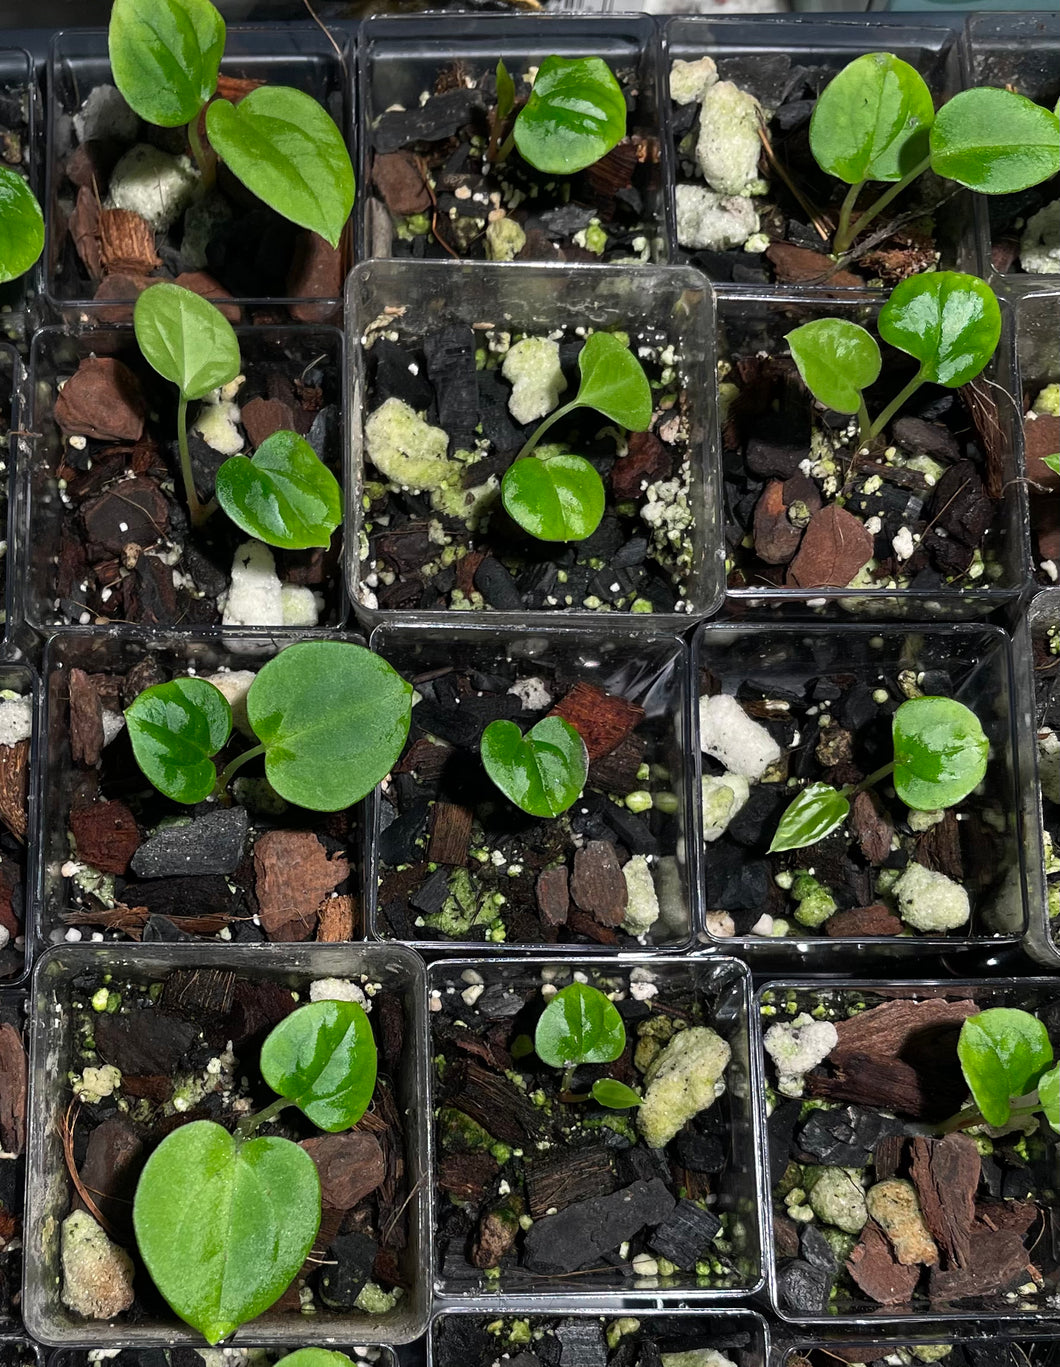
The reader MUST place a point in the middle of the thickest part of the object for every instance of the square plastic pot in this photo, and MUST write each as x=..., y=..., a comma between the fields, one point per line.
x=657, y=305
x=298, y=55
x=54, y=1053
x=649, y=674
x=977, y=662
x=1039, y=1351
x=1035, y=637
x=18, y=298
x=753, y=323
x=724, y=986
x=16, y=958
x=1038, y=365
x=45, y=504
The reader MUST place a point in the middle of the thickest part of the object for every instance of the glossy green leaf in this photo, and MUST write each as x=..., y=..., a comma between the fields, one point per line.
x=21, y=226
x=1049, y=1096
x=555, y=498
x=995, y=141
x=613, y=382
x=284, y=494
x=579, y=1025
x=333, y=718
x=950, y=322
x=322, y=1057
x=1053, y=463
x=175, y=729
x=616, y=1096
x=940, y=753
x=505, y=92
x=1003, y=1052
x=222, y=1226
x=186, y=339
x=285, y=149
x=837, y=359
x=872, y=120
x=165, y=56
x=542, y=772
x=575, y=114
x=816, y=812
x=315, y=1357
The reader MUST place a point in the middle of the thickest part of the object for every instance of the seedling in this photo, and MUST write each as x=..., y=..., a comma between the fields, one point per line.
x=581, y=1025
x=949, y=322
x=166, y=56
x=876, y=121
x=223, y=1220
x=561, y=497
x=575, y=114
x=315, y=1357
x=1005, y=1056
x=21, y=226
x=284, y=494
x=542, y=772
x=330, y=717
x=940, y=756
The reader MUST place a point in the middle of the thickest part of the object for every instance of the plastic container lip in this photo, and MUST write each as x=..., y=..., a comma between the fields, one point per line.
x=48, y=1028
x=437, y=280
x=319, y=45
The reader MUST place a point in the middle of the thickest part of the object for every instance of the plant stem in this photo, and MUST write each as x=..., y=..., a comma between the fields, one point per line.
x=964, y=1120
x=864, y=423
x=204, y=155
x=842, y=232
x=196, y=510
x=895, y=404
x=844, y=236
x=506, y=149
x=229, y=769
x=868, y=782
x=539, y=432
x=250, y=1123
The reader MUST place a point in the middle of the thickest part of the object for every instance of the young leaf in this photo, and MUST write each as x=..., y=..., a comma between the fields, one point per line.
x=505, y=92
x=186, y=339
x=995, y=141
x=165, y=56
x=1003, y=1052
x=815, y=813
x=315, y=1357
x=333, y=718
x=872, y=120
x=949, y=322
x=575, y=114
x=542, y=772
x=175, y=729
x=579, y=1025
x=284, y=494
x=837, y=359
x=21, y=226
x=616, y=1096
x=555, y=498
x=613, y=382
x=1049, y=1096
x=322, y=1057
x=285, y=149
x=940, y=753
x=217, y=1242
x=1053, y=463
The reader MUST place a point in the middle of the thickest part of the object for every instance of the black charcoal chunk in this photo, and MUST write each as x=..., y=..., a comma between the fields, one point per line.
x=144, y=1042
x=804, y=1289
x=497, y=586
x=441, y=117
x=565, y=221
x=817, y=1251
x=846, y=1137
x=392, y=378
x=212, y=843
x=685, y=1235
x=430, y=896
x=397, y=844
x=588, y=1230
x=450, y=354
x=582, y=1343
x=699, y=1152
x=349, y=1265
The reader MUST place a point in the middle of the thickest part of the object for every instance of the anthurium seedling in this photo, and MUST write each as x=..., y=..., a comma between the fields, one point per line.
x=330, y=717
x=1007, y=1060
x=940, y=756
x=224, y=1220
x=949, y=322
x=876, y=121
x=560, y=497
x=166, y=57
x=543, y=772
x=575, y=114
x=21, y=226
x=582, y=1025
x=315, y=1357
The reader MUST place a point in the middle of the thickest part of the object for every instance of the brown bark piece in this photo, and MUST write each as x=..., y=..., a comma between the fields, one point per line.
x=262, y=417
x=617, y=772
x=316, y=273
x=645, y=461
x=802, y=265
x=1041, y=436
x=872, y=826
x=111, y=1169
x=864, y=921
x=234, y=88
x=204, y=285
x=997, y=1261
x=498, y=1106
x=106, y=834
x=195, y=992
x=553, y=896
x=83, y=227
x=496, y=1236
x=1017, y=1216
x=293, y=875
x=133, y=512
x=467, y=1175
x=12, y=1090
x=946, y=1173
x=335, y=925
x=603, y=720
x=14, y=787
x=102, y=399
x=892, y=1085
x=939, y=848
x=424, y=758
x=776, y=538
x=885, y=1031
x=86, y=720
x=597, y=883
x=878, y=1272
x=398, y=178
x=10, y=881
x=450, y=834
x=126, y=243
x=350, y=1165
x=554, y=1181
x=889, y=1156
x=835, y=546
x=119, y=291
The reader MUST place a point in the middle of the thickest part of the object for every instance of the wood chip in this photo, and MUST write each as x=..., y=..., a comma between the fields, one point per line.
x=553, y=896
x=83, y=226
x=199, y=991
x=555, y=1180
x=126, y=243
x=886, y=1031
x=103, y=400
x=802, y=266
x=877, y=1271
x=946, y=1174
x=861, y=922
x=14, y=787
x=597, y=884
x=466, y=1176
x=12, y=1090
x=106, y=835
x=450, y=834
x=86, y=720
x=997, y=1261
x=834, y=547
x=872, y=826
x=335, y=925
x=603, y=720
x=293, y=875
x=350, y=1165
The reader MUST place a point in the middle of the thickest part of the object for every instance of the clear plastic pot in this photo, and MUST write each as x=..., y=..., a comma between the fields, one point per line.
x=10, y=390
x=1034, y=644
x=54, y=1053
x=1038, y=365
x=18, y=298
x=17, y=955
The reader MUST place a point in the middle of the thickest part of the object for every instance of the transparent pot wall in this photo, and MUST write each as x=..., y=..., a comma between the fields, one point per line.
x=1036, y=647
x=10, y=381
x=662, y=305
x=18, y=857
x=55, y=1053
x=19, y=94
x=749, y=325
x=985, y=1349
x=976, y=666
x=652, y=675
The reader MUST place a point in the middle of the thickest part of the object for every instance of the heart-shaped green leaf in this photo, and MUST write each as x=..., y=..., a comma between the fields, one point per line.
x=224, y=1226
x=579, y=1025
x=837, y=359
x=995, y=141
x=872, y=120
x=333, y=718
x=284, y=494
x=322, y=1057
x=616, y=1096
x=950, y=322
x=186, y=339
x=555, y=498
x=1049, y=1096
x=175, y=729
x=21, y=226
x=315, y=1357
x=815, y=813
x=165, y=56
x=1003, y=1052
x=286, y=150
x=575, y=114
x=613, y=382
x=542, y=772
x=940, y=753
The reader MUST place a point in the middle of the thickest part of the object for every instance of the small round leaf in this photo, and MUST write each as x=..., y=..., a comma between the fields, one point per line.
x=995, y=141
x=616, y=1096
x=1049, y=1096
x=284, y=494
x=613, y=382
x=579, y=1025
x=1003, y=1052
x=165, y=56
x=315, y=1357
x=186, y=339
x=21, y=226
x=837, y=359
x=816, y=812
x=575, y=114
x=950, y=322
x=542, y=772
x=940, y=753
x=175, y=729
x=555, y=498
x=322, y=1057
x=1053, y=463
x=872, y=120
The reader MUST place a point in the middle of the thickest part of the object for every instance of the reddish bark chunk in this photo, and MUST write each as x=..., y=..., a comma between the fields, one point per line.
x=645, y=461
x=350, y=1165
x=864, y=921
x=399, y=179
x=107, y=835
x=553, y=896
x=102, y=399
x=878, y=1272
x=598, y=885
x=603, y=720
x=835, y=546
x=203, y=284
x=293, y=875
x=316, y=273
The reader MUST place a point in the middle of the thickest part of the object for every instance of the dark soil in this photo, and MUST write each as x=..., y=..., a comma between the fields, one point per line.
x=990, y=1352
x=12, y=1166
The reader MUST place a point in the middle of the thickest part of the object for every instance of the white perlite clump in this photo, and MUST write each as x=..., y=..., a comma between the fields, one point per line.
x=710, y=221
x=406, y=449
x=533, y=693
x=16, y=720
x=838, y=1198
x=337, y=990
x=532, y=368
x=728, y=148
x=797, y=1046
x=1040, y=242
x=97, y=1274
x=106, y=115
x=723, y=796
x=113, y=725
x=257, y=596
x=930, y=901
x=153, y=184
x=642, y=901
x=680, y=1082
x=743, y=745
x=690, y=81
x=217, y=424
x=696, y=1357
x=235, y=685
